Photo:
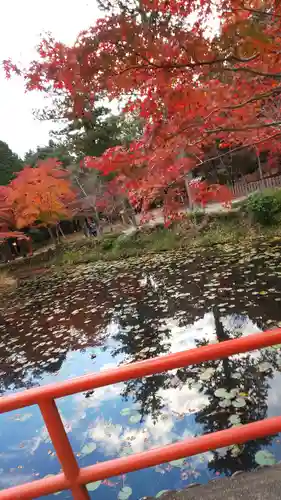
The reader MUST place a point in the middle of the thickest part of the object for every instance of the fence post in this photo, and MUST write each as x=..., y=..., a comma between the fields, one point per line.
x=63, y=448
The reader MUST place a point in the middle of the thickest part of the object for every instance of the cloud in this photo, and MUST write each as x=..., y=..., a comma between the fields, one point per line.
x=18, y=40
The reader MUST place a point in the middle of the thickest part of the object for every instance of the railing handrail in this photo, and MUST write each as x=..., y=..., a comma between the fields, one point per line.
x=73, y=477
x=140, y=369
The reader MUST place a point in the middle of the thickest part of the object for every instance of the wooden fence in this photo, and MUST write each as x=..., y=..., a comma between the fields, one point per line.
x=243, y=188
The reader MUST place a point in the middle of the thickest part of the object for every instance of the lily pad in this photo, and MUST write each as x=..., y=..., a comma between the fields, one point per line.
x=225, y=403
x=264, y=367
x=135, y=419
x=234, y=419
x=207, y=374
x=239, y=403
x=160, y=493
x=177, y=463
x=125, y=493
x=264, y=457
x=88, y=448
x=236, y=450
x=93, y=486
x=125, y=412
x=221, y=393
x=277, y=347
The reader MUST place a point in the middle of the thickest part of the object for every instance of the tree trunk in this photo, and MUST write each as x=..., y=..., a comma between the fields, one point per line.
x=129, y=213
x=51, y=234
x=57, y=234
x=60, y=230
x=187, y=178
x=259, y=163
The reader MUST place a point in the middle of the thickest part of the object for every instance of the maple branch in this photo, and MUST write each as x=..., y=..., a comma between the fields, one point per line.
x=237, y=148
x=258, y=97
x=242, y=129
x=225, y=108
x=195, y=64
x=254, y=143
x=253, y=72
x=256, y=11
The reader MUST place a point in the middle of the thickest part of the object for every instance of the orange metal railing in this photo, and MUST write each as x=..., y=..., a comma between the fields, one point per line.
x=74, y=478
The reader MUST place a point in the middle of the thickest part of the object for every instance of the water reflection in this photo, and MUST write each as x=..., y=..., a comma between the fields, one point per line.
x=93, y=319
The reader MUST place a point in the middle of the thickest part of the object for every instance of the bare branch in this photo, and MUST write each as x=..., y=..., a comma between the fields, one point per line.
x=256, y=11
x=238, y=148
x=242, y=129
x=253, y=72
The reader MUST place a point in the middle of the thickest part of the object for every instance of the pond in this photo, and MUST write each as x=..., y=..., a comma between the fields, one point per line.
x=96, y=317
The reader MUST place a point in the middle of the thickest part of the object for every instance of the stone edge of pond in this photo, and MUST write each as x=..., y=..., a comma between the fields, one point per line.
x=263, y=483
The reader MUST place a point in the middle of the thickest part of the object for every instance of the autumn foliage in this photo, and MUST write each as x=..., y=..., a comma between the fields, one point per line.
x=195, y=70
x=38, y=195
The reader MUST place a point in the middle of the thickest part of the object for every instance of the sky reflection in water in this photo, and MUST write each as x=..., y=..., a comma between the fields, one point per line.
x=94, y=319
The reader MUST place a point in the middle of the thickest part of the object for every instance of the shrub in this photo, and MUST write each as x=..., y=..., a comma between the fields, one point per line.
x=264, y=207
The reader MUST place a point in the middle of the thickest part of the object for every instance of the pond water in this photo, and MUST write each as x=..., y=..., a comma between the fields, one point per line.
x=97, y=317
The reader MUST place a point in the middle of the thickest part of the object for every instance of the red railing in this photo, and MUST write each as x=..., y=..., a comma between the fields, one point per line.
x=74, y=478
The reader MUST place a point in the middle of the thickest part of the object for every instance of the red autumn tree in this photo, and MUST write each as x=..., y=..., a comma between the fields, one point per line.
x=191, y=84
x=41, y=194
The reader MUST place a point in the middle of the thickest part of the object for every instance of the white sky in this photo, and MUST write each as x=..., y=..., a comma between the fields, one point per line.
x=22, y=21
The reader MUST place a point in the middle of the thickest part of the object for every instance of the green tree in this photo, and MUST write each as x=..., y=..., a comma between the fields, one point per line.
x=52, y=150
x=10, y=163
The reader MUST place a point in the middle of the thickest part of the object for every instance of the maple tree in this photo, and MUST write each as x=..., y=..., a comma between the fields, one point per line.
x=40, y=195
x=190, y=84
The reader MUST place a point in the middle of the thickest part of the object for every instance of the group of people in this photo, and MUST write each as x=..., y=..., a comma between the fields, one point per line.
x=11, y=248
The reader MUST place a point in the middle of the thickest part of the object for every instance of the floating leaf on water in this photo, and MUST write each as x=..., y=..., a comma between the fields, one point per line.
x=239, y=403
x=224, y=403
x=125, y=412
x=277, y=347
x=223, y=393
x=127, y=450
x=197, y=386
x=160, y=493
x=135, y=419
x=234, y=419
x=264, y=367
x=93, y=486
x=263, y=292
x=88, y=448
x=177, y=463
x=159, y=469
x=125, y=493
x=235, y=450
x=220, y=393
x=264, y=457
x=207, y=374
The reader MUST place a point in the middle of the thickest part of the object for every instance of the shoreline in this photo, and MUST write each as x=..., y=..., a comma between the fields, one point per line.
x=263, y=483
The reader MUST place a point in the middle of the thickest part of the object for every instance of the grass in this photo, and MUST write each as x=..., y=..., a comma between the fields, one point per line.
x=225, y=229
x=222, y=230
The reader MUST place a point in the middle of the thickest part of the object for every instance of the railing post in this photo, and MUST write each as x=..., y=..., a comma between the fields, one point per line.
x=63, y=448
